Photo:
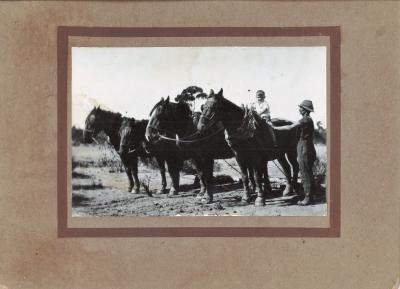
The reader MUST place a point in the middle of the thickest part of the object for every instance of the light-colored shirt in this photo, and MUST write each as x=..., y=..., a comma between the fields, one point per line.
x=262, y=109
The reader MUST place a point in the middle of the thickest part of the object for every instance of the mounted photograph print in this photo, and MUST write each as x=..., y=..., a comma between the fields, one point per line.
x=157, y=128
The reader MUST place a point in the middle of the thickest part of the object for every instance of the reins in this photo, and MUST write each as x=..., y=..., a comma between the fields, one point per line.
x=184, y=139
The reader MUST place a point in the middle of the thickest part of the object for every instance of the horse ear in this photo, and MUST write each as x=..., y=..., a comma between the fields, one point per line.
x=211, y=94
x=219, y=94
x=167, y=100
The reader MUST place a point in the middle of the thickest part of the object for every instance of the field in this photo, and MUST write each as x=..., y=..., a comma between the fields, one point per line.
x=99, y=188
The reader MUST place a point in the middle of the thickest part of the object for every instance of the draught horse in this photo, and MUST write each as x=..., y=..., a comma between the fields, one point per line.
x=172, y=125
x=252, y=144
x=127, y=136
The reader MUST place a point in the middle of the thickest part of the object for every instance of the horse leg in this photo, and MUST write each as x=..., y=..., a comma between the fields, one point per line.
x=161, y=165
x=244, y=170
x=173, y=169
x=267, y=184
x=199, y=165
x=292, y=157
x=251, y=178
x=202, y=184
x=208, y=172
x=135, y=175
x=259, y=169
x=202, y=178
x=128, y=172
x=288, y=175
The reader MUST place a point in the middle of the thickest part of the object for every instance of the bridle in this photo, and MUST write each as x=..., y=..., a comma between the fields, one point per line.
x=210, y=119
x=91, y=131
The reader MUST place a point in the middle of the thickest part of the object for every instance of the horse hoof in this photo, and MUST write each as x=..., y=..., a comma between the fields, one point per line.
x=287, y=192
x=207, y=199
x=162, y=191
x=172, y=192
x=259, y=202
x=199, y=196
x=306, y=201
x=136, y=191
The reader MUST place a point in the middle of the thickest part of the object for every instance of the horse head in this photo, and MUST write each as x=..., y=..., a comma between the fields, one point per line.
x=167, y=118
x=92, y=125
x=126, y=134
x=211, y=111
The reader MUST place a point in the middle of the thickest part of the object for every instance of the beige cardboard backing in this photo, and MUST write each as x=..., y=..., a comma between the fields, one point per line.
x=365, y=256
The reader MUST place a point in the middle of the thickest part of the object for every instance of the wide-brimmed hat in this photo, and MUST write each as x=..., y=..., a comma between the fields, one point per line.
x=307, y=105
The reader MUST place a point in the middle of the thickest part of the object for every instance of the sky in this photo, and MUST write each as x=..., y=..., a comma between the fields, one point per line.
x=130, y=80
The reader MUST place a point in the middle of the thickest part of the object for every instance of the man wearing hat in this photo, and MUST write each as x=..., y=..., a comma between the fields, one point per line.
x=261, y=106
x=306, y=154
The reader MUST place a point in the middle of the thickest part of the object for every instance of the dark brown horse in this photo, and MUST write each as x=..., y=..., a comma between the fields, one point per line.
x=253, y=146
x=118, y=128
x=171, y=126
x=132, y=134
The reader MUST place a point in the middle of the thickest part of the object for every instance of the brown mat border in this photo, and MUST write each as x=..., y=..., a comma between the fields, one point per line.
x=333, y=32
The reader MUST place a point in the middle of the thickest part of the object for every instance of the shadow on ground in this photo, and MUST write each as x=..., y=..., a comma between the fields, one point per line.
x=79, y=200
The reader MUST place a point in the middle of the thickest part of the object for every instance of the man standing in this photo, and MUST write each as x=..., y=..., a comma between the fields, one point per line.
x=261, y=106
x=305, y=149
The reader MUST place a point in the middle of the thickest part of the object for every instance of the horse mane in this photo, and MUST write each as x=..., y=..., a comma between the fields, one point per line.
x=134, y=125
x=235, y=106
x=142, y=122
x=127, y=121
x=248, y=125
x=155, y=106
x=108, y=112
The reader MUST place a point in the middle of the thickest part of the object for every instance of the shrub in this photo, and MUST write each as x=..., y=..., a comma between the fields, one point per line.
x=149, y=162
x=76, y=136
x=320, y=167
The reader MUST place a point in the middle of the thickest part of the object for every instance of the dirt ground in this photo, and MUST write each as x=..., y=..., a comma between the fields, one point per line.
x=99, y=188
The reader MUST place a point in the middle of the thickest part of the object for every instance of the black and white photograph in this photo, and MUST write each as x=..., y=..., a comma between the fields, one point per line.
x=199, y=131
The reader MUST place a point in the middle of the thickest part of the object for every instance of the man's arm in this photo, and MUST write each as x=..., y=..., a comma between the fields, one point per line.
x=287, y=127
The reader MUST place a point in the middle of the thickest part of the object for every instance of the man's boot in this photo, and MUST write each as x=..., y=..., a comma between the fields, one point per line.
x=308, y=200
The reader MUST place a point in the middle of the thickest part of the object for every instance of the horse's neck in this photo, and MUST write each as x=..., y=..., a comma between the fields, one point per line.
x=111, y=127
x=141, y=126
x=233, y=116
x=185, y=128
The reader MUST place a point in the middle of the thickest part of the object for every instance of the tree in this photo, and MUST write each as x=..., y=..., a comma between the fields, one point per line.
x=320, y=134
x=190, y=94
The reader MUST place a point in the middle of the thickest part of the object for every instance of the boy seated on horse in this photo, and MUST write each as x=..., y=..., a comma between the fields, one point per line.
x=261, y=107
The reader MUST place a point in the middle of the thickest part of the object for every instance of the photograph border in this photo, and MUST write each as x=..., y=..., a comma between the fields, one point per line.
x=333, y=32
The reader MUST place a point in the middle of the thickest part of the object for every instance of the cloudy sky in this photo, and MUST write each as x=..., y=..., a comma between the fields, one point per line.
x=131, y=80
